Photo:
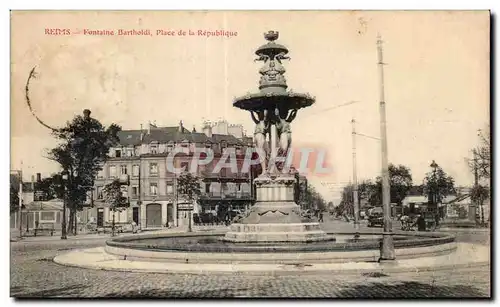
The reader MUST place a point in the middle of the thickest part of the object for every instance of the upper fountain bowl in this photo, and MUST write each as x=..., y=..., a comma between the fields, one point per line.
x=264, y=100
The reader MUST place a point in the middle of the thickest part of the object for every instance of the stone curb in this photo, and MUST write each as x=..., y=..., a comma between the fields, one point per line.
x=107, y=262
x=387, y=269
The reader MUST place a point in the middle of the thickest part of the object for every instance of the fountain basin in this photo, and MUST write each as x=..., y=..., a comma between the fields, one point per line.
x=209, y=248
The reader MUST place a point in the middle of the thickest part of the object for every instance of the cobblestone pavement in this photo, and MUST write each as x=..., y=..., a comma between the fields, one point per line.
x=33, y=274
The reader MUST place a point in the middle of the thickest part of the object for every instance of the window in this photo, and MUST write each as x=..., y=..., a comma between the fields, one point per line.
x=207, y=187
x=120, y=216
x=123, y=170
x=135, y=170
x=170, y=188
x=47, y=216
x=99, y=193
x=118, y=153
x=130, y=151
x=135, y=192
x=153, y=188
x=112, y=171
x=238, y=187
x=153, y=169
x=154, y=148
x=100, y=174
x=170, y=147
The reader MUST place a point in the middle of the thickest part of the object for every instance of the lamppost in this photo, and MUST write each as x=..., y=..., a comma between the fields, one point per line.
x=190, y=217
x=434, y=186
x=64, y=176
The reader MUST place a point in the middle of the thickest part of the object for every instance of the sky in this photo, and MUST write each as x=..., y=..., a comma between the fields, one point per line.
x=436, y=80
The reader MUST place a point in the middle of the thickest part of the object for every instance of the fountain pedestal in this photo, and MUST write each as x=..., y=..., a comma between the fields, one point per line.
x=275, y=217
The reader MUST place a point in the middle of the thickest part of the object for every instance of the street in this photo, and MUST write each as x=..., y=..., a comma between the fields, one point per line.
x=34, y=274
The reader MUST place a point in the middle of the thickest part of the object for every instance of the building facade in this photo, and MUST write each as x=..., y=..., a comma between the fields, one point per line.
x=140, y=162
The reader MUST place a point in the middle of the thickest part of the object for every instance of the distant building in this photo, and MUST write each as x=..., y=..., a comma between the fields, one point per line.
x=141, y=160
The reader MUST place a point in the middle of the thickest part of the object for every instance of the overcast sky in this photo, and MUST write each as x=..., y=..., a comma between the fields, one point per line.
x=437, y=80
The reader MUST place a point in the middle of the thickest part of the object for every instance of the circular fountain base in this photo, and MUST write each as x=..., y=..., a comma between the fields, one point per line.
x=210, y=248
x=206, y=254
x=276, y=233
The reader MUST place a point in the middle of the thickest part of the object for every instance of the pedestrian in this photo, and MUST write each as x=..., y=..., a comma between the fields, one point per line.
x=420, y=223
x=134, y=227
x=321, y=217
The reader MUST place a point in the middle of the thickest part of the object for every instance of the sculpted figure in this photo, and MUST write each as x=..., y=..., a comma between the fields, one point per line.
x=283, y=126
x=261, y=130
x=281, y=56
x=262, y=57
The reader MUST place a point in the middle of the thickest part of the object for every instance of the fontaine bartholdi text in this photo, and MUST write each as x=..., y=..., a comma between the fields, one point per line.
x=119, y=32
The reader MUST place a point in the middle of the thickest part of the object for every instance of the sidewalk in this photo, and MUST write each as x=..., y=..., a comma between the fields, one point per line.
x=14, y=235
x=464, y=230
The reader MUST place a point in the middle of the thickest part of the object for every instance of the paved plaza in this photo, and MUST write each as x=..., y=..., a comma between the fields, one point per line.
x=34, y=274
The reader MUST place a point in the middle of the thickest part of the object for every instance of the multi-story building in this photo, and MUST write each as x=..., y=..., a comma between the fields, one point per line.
x=140, y=162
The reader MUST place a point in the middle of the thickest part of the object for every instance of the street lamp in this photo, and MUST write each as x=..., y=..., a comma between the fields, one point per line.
x=434, y=185
x=64, y=176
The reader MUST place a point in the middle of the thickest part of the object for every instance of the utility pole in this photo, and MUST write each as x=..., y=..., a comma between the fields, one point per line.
x=355, y=181
x=387, y=247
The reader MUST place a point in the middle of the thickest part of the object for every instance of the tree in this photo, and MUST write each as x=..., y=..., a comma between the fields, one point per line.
x=481, y=162
x=479, y=194
x=438, y=185
x=84, y=148
x=188, y=185
x=15, y=180
x=366, y=190
x=401, y=182
x=480, y=166
x=314, y=199
x=52, y=187
x=113, y=196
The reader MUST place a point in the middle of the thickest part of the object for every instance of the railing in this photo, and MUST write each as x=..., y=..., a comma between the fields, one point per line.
x=224, y=174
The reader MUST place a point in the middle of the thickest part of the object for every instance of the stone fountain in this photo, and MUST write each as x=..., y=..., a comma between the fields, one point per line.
x=274, y=237
x=275, y=217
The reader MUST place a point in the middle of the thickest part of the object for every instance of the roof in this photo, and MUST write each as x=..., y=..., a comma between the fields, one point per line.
x=129, y=137
x=230, y=139
x=458, y=200
x=414, y=199
x=172, y=134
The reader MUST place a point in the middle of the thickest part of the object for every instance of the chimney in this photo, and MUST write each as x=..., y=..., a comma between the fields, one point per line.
x=194, y=129
x=181, y=127
x=33, y=182
x=207, y=129
x=38, y=177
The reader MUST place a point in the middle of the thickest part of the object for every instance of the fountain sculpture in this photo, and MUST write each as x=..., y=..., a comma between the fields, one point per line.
x=273, y=234
x=275, y=217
